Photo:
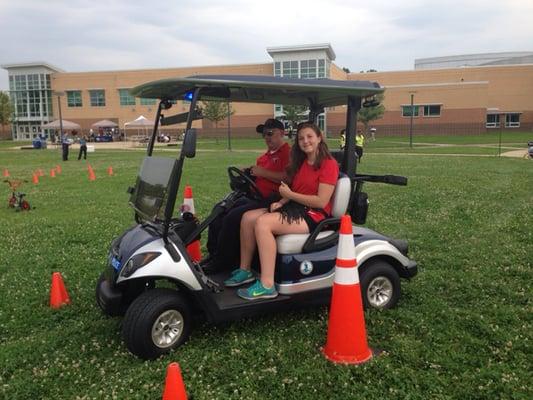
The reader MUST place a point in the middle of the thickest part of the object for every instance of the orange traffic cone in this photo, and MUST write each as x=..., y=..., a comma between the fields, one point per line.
x=92, y=175
x=174, y=387
x=194, y=248
x=110, y=171
x=58, y=292
x=52, y=173
x=35, y=178
x=58, y=169
x=6, y=173
x=346, y=341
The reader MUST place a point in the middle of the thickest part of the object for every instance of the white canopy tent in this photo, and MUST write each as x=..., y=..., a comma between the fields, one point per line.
x=140, y=122
x=105, y=123
x=67, y=125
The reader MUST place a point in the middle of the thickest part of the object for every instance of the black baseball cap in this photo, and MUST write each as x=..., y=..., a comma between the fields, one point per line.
x=270, y=123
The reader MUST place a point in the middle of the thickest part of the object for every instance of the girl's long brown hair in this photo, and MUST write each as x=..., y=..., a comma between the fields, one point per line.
x=298, y=156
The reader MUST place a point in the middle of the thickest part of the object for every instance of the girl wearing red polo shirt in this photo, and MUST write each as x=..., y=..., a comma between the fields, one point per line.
x=313, y=173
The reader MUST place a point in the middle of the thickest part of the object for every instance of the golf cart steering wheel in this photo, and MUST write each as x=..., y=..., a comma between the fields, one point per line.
x=240, y=181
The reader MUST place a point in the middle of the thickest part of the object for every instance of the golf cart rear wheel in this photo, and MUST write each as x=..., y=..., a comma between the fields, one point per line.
x=158, y=321
x=380, y=285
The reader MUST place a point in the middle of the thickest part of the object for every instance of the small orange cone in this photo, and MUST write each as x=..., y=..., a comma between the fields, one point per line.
x=35, y=178
x=194, y=248
x=346, y=341
x=195, y=251
x=58, y=292
x=110, y=171
x=52, y=173
x=58, y=169
x=174, y=386
x=6, y=173
x=92, y=175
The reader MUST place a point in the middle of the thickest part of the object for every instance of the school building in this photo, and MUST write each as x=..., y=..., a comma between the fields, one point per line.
x=467, y=94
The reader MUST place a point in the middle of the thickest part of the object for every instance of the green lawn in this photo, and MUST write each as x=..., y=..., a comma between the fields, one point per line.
x=463, y=327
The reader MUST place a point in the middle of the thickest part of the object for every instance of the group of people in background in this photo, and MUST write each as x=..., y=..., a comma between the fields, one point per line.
x=66, y=141
x=359, y=141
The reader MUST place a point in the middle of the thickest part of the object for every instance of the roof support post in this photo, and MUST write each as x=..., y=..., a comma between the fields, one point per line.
x=349, y=162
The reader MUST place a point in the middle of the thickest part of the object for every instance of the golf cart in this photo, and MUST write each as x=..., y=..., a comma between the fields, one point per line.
x=152, y=279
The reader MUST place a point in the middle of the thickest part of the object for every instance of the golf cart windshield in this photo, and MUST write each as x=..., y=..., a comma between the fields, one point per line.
x=151, y=189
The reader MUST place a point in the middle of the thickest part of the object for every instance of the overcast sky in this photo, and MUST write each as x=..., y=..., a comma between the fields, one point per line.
x=80, y=35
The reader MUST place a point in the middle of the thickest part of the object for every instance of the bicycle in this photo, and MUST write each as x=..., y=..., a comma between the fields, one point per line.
x=16, y=200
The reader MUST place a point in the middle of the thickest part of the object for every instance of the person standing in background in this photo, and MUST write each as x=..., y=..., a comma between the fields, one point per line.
x=359, y=143
x=65, y=143
x=83, y=148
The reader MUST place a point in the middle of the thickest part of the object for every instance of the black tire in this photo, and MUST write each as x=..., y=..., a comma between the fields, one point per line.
x=139, y=326
x=380, y=285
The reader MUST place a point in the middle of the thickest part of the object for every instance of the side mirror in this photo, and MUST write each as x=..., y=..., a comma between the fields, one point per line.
x=188, y=148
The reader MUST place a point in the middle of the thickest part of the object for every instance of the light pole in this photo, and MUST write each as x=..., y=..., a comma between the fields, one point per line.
x=502, y=121
x=229, y=125
x=411, y=121
x=59, y=94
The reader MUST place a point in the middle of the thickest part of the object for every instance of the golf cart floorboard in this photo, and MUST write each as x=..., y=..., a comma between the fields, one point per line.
x=228, y=297
x=227, y=305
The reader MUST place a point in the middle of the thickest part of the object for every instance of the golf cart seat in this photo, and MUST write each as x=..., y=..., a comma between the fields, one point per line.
x=326, y=233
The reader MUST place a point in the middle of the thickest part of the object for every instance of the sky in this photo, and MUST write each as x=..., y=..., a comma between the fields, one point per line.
x=80, y=35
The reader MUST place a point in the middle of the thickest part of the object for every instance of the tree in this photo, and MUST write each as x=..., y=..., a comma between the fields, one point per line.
x=6, y=110
x=367, y=114
x=216, y=111
x=347, y=70
x=294, y=113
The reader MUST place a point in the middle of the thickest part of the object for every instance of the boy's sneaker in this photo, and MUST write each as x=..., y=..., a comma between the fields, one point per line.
x=258, y=291
x=239, y=277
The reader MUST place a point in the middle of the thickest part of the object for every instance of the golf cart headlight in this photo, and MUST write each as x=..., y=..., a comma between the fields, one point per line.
x=138, y=261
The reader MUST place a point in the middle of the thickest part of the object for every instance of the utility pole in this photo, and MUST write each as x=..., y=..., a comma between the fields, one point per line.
x=229, y=126
x=59, y=94
x=411, y=121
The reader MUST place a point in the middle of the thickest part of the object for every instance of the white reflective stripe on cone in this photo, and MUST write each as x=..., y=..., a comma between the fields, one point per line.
x=346, y=249
x=346, y=276
x=190, y=204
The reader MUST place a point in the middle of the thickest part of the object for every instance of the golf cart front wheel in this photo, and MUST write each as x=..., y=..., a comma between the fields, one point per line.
x=158, y=321
x=380, y=285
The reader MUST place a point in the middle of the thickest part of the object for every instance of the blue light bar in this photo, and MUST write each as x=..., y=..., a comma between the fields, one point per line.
x=188, y=96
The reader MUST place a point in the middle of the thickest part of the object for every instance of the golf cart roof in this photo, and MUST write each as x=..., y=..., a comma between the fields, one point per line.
x=259, y=89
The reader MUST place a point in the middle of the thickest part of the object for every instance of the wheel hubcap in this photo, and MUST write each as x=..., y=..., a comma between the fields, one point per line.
x=379, y=292
x=167, y=329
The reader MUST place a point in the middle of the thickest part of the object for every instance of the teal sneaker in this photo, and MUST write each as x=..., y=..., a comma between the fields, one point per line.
x=258, y=291
x=239, y=277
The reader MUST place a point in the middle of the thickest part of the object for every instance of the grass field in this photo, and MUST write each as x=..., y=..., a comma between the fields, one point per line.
x=463, y=327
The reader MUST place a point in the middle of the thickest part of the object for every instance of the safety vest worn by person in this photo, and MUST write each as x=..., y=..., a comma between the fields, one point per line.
x=359, y=140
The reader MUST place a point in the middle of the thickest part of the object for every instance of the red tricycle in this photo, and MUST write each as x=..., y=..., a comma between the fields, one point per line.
x=17, y=200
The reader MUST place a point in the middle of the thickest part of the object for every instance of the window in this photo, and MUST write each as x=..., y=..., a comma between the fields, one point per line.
x=126, y=99
x=33, y=81
x=277, y=68
x=512, y=120
x=20, y=82
x=74, y=98
x=432, y=111
x=321, y=68
x=406, y=111
x=290, y=69
x=493, y=121
x=308, y=69
x=97, y=97
x=148, y=102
